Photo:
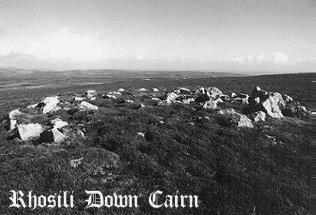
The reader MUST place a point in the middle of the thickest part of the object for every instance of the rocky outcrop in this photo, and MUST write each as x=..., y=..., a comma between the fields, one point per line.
x=87, y=106
x=232, y=117
x=212, y=104
x=12, y=118
x=295, y=109
x=58, y=123
x=52, y=136
x=258, y=116
x=214, y=92
x=171, y=97
x=91, y=93
x=269, y=102
x=29, y=131
x=49, y=104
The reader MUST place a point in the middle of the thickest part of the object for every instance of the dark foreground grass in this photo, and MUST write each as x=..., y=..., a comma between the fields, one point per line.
x=264, y=170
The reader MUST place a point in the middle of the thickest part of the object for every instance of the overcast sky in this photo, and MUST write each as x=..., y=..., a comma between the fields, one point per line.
x=228, y=35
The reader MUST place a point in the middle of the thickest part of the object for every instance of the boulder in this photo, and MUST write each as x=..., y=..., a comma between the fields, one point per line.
x=200, y=90
x=214, y=92
x=91, y=93
x=232, y=95
x=12, y=118
x=182, y=90
x=29, y=131
x=52, y=135
x=287, y=99
x=32, y=106
x=171, y=97
x=87, y=106
x=121, y=90
x=142, y=90
x=270, y=102
x=295, y=109
x=155, y=89
x=224, y=97
x=49, y=104
x=241, y=98
x=258, y=116
x=58, y=123
x=78, y=99
x=271, y=107
x=188, y=100
x=212, y=104
x=238, y=119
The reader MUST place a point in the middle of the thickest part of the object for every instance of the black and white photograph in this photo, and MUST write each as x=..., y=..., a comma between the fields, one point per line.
x=157, y=107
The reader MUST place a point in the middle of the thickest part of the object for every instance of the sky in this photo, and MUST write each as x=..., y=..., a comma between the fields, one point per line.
x=210, y=35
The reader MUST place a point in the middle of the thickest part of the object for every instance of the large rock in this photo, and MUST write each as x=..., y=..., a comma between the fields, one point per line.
x=212, y=104
x=29, y=131
x=258, y=116
x=271, y=107
x=52, y=135
x=238, y=119
x=87, y=106
x=91, y=93
x=241, y=98
x=271, y=103
x=171, y=97
x=58, y=123
x=295, y=109
x=12, y=118
x=182, y=90
x=214, y=92
x=200, y=90
x=49, y=104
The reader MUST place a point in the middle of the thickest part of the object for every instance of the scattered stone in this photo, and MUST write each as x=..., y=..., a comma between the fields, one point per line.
x=182, y=90
x=171, y=97
x=12, y=118
x=78, y=99
x=238, y=119
x=287, y=99
x=188, y=100
x=91, y=93
x=52, y=135
x=87, y=106
x=76, y=162
x=212, y=104
x=214, y=92
x=29, y=131
x=295, y=109
x=142, y=90
x=141, y=134
x=258, y=116
x=224, y=97
x=270, y=103
x=32, y=106
x=200, y=90
x=58, y=123
x=49, y=104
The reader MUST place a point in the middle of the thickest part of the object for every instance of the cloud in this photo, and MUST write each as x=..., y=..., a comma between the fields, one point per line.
x=64, y=44
x=278, y=58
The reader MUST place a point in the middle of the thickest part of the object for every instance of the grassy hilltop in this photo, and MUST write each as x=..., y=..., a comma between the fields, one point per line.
x=234, y=170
